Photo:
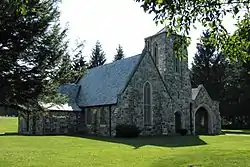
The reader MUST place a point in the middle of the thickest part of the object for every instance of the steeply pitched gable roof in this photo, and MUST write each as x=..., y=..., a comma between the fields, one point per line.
x=162, y=30
x=195, y=92
x=101, y=85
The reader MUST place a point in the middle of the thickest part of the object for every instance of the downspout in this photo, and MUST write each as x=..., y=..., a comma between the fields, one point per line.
x=110, y=129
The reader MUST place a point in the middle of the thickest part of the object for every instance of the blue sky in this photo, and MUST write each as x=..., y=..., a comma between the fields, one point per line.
x=114, y=22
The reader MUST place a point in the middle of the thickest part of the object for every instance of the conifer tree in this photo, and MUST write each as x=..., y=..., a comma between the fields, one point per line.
x=98, y=56
x=120, y=54
x=32, y=49
x=208, y=68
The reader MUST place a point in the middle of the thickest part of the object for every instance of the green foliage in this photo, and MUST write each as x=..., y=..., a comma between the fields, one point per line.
x=208, y=68
x=237, y=89
x=120, y=53
x=73, y=67
x=226, y=81
x=33, y=54
x=97, y=57
x=181, y=16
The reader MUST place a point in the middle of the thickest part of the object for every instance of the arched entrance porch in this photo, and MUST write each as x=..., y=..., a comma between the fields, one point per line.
x=202, y=121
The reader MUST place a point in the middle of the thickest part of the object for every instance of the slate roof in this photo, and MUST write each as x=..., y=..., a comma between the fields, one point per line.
x=101, y=85
x=162, y=30
x=71, y=90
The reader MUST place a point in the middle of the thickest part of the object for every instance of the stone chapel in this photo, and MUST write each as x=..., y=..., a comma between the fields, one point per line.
x=151, y=90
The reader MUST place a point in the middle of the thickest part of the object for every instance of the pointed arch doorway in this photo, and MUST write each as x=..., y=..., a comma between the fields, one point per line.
x=202, y=121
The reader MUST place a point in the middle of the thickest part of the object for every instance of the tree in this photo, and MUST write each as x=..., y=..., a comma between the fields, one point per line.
x=73, y=64
x=208, y=68
x=98, y=56
x=32, y=50
x=79, y=63
x=120, y=54
x=181, y=16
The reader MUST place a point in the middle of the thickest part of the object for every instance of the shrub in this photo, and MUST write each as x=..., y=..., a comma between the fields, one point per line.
x=183, y=132
x=127, y=131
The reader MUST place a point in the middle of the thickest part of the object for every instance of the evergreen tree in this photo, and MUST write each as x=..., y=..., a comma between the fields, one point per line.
x=208, y=68
x=79, y=63
x=32, y=49
x=73, y=67
x=237, y=96
x=182, y=16
x=120, y=54
x=98, y=56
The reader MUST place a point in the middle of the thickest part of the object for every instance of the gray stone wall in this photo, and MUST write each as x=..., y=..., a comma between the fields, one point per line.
x=52, y=122
x=100, y=126
x=130, y=102
x=178, y=83
x=212, y=107
x=29, y=124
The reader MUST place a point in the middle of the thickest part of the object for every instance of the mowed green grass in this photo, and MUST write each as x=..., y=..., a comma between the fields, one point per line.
x=66, y=151
x=243, y=131
x=8, y=124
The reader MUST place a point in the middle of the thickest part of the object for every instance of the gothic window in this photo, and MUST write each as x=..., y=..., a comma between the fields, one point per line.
x=147, y=102
x=177, y=63
x=147, y=45
x=155, y=53
x=102, y=116
x=89, y=116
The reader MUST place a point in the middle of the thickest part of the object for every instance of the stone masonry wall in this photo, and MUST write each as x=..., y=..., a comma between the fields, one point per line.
x=212, y=107
x=52, y=122
x=130, y=103
x=97, y=125
x=178, y=83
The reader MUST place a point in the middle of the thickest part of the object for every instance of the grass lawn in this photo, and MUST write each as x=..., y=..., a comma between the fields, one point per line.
x=66, y=151
x=8, y=124
x=244, y=131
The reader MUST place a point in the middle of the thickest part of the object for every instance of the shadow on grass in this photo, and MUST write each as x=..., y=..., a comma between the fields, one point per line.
x=162, y=141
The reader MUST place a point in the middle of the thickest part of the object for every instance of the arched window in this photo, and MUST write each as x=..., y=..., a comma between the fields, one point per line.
x=177, y=63
x=177, y=122
x=147, y=101
x=155, y=53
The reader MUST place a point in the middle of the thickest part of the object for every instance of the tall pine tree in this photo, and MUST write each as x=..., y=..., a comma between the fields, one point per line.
x=98, y=56
x=120, y=54
x=32, y=49
x=208, y=68
x=79, y=63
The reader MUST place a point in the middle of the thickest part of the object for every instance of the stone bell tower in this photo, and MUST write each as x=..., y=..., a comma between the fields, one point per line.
x=174, y=71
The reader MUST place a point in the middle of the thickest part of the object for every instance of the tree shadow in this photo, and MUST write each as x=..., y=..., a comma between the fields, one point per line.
x=162, y=141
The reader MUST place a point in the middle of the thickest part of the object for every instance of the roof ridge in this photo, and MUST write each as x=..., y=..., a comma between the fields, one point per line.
x=113, y=62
